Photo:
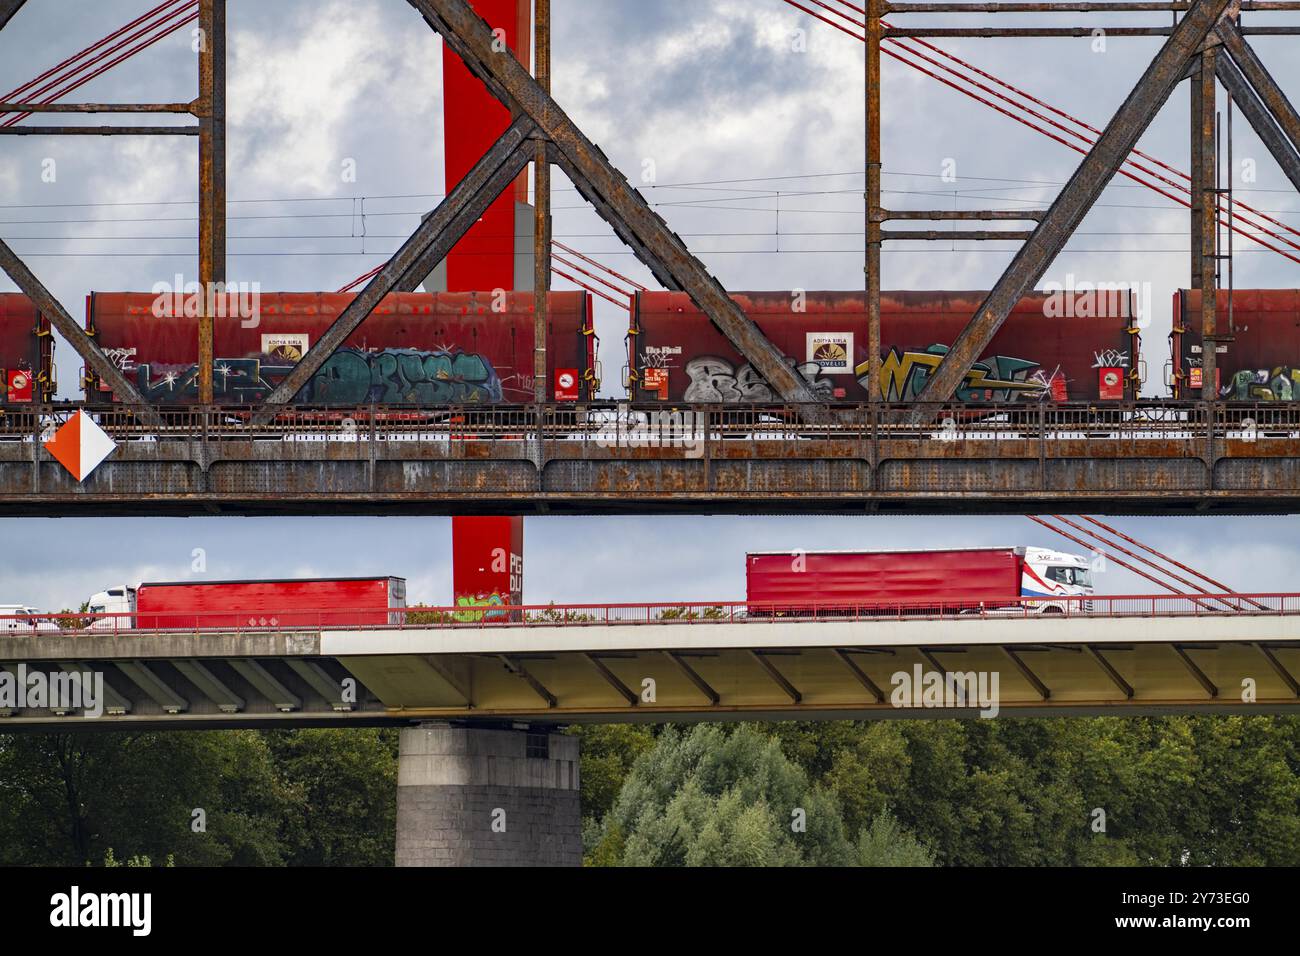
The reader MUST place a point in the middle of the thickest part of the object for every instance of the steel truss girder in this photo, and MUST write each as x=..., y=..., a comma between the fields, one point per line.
x=1262, y=102
x=1243, y=55
x=428, y=246
x=67, y=326
x=7, y=10
x=1073, y=203
x=470, y=37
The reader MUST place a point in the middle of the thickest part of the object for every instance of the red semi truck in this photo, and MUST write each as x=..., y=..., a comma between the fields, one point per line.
x=324, y=602
x=974, y=578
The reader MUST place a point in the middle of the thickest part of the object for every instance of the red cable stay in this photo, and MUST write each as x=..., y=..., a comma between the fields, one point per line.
x=96, y=59
x=1245, y=216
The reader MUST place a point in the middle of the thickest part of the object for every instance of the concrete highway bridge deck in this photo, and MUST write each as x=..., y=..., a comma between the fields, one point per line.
x=557, y=665
x=1155, y=457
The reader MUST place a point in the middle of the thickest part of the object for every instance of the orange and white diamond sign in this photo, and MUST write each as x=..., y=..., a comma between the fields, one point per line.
x=80, y=446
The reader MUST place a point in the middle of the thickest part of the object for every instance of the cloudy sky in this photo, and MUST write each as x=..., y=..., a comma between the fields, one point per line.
x=751, y=115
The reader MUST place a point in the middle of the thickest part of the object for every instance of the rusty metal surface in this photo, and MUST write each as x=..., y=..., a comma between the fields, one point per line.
x=7, y=10
x=418, y=256
x=1249, y=63
x=1144, y=457
x=1077, y=197
x=1260, y=119
x=615, y=199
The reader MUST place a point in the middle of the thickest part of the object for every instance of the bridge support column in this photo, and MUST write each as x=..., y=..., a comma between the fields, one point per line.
x=479, y=797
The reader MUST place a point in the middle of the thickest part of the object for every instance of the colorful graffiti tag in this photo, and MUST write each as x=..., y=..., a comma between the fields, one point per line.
x=471, y=609
x=1000, y=378
x=1281, y=384
x=404, y=376
x=717, y=380
x=348, y=377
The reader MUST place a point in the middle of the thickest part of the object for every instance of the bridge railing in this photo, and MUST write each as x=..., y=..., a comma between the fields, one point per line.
x=621, y=424
x=688, y=614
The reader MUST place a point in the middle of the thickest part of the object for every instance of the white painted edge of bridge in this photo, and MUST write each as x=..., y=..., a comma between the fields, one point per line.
x=597, y=638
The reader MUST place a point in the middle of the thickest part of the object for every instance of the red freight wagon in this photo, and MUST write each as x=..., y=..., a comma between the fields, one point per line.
x=1261, y=360
x=327, y=602
x=1052, y=347
x=26, y=352
x=416, y=348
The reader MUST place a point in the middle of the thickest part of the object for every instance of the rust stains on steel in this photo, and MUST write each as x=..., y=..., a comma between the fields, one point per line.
x=72, y=331
x=1260, y=119
x=96, y=107
x=99, y=131
x=1096, y=170
x=470, y=38
x=7, y=10
x=1244, y=56
x=418, y=256
x=211, y=113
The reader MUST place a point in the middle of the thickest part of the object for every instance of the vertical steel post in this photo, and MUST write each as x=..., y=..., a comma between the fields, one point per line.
x=1206, y=190
x=874, y=213
x=541, y=211
x=212, y=177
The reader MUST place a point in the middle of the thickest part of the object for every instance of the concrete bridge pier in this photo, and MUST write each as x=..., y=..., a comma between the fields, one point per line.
x=469, y=796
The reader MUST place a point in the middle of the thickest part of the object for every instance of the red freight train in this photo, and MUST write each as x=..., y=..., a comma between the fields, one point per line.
x=414, y=349
x=1047, y=348
x=327, y=602
x=1259, y=358
x=26, y=352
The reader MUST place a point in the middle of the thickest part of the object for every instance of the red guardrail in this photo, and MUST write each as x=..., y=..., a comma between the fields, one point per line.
x=686, y=613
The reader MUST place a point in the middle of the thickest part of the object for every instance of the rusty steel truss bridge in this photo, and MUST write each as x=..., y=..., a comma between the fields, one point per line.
x=1165, y=458
x=930, y=455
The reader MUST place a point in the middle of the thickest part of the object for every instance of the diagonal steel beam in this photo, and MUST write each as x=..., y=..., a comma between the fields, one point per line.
x=1075, y=200
x=1243, y=55
x=428, y=246
x=1261, y=120
x=76, y=336
x=469, y=36
x=7, y=10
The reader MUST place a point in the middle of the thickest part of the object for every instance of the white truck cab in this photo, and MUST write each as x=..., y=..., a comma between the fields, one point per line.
x=21, y=619
x=1059, y=574
x=106, y=609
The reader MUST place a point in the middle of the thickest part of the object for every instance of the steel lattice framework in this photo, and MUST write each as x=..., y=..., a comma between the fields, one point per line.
x=1205, y=42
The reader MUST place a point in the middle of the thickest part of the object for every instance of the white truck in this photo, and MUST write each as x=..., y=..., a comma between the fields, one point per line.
x=16, y=619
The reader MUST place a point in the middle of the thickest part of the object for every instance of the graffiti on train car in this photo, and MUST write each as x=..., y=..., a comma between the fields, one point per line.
x=405, y=376
x=350, y=376
x=1000, y=378
x=717, y=380
x=1281, y=384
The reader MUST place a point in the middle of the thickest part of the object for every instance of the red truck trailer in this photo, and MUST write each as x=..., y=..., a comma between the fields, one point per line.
x=26, y=352
x=947, y=578
x=326, y=602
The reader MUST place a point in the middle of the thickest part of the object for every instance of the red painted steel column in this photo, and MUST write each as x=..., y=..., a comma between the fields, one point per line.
x=473, y=119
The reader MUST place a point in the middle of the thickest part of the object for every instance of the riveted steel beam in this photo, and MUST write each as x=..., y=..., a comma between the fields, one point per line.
x=428, y=246
x=1260, y=118
x=1093, y=174
x=7, y=10
x=1243, y=55
x=470, y=37
x=76, y=336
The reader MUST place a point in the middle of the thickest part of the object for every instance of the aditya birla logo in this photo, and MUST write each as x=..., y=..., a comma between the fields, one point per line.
x=80, y=445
